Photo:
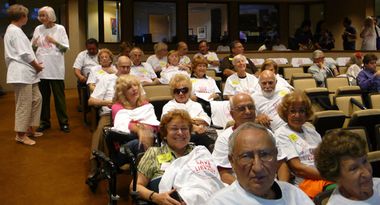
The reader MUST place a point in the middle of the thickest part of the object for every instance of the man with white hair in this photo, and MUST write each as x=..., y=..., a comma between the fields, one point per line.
x=253, y=156
x=320, y=69
x=240, y=81
x=266, y=100
x=242, y=109
x=143, y=71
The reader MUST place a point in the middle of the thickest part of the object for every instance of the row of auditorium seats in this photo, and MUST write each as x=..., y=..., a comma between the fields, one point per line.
x=348, y=116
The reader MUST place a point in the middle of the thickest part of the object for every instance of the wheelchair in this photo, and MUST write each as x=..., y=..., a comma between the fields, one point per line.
x=110, y=167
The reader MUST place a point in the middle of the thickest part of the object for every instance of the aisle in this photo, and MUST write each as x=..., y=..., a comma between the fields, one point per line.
x=54, y=170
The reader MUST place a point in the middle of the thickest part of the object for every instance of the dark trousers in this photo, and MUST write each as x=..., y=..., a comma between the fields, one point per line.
x=58, y=88
x=82, y=94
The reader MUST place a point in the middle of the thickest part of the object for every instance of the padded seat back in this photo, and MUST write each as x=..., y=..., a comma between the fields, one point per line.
x=344, y=104
x=369, y=118
x=288, y=72
x=299, y=76
x=302, y=84
x=158, y=95
x=375, y=101
x=333, y=83
x=328, y=119
x=319, y=98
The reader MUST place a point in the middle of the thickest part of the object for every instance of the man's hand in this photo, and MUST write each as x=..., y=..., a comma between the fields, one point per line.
x=264, y=120
x=82, y=79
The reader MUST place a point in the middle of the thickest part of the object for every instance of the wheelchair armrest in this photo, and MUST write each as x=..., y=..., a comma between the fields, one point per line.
x=118, y=136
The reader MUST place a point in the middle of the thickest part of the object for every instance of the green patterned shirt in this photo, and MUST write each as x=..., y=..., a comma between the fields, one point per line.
x=156, y=159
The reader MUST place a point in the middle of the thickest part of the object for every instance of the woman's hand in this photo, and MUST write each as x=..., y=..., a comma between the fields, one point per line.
x=146, y=137
x=165, y=198
x=37, y=66
x=51, y=40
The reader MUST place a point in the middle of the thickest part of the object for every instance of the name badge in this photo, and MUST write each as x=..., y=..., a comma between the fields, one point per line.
x=167, y=157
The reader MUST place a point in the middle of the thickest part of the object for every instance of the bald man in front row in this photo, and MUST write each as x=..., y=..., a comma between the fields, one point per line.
x=253, y=156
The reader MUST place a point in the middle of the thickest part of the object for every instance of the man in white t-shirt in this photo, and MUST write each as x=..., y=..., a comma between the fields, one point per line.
x=240, y=81
x=253, y=156
x=267, y=99
x=83, y=63
x=143, y=71
x=242, y=109
x=211, y=57
x=102, y=96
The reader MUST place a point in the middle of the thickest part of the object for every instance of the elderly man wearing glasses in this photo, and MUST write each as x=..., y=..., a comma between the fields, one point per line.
x=253, y=156
x=320, y=69
x=242, y=109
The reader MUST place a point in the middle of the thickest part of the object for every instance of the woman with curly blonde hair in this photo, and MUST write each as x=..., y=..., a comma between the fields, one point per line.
x=133, y=114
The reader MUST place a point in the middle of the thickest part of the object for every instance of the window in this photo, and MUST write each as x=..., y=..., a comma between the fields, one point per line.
x=258, y=22
x=207, y=22
x=154, y=22
x=110, y=21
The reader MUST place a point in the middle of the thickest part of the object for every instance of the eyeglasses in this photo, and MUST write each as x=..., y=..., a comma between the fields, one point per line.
x=183, y=90
x=248, y=158
x=300, y=111
x=243, y=108
x=176, y=129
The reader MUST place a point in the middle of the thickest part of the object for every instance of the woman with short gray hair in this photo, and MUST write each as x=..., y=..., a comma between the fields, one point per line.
x=50, y=42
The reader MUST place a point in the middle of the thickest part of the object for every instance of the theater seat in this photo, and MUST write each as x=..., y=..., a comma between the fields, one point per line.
x=300, y=76
x=319, y=98
x=302, y=84
x=333, y=83
x=369, y=119
x=288, y=72
x=158, y=95
x=329, y=119
x=344, y=104
x=375, y=101
x=348, y=90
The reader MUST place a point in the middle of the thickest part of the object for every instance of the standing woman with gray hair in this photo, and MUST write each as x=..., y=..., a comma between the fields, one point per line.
x=50, y=42
x=23, y=69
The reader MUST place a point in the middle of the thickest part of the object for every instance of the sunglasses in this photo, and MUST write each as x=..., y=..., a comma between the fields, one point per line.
x=183, y=90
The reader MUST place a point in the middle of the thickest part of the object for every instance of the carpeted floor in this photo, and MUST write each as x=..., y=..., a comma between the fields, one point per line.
x=54, y=170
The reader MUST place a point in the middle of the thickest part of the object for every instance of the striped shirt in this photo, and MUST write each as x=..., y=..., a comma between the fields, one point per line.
x=157, y=159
